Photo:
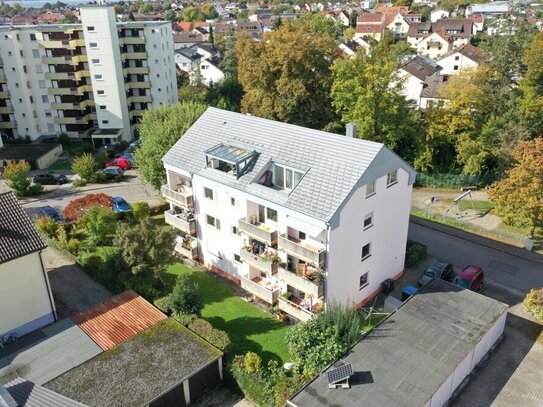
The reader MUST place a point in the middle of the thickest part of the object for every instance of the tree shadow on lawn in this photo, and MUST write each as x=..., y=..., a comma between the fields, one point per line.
x=240, y=329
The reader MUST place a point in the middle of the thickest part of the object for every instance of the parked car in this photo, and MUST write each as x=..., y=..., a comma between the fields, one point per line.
x=120, y=162
x=50, y=179
x=438, y=269
x=128, y=156
x=135, y=143
x=49, y=212
x=112, y=172
x=120, y=205
x=472, y=278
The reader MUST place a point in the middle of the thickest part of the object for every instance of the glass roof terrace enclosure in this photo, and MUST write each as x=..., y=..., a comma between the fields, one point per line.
x=230, y=159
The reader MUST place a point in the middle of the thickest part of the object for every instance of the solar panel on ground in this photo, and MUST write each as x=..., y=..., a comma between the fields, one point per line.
x=339, y=374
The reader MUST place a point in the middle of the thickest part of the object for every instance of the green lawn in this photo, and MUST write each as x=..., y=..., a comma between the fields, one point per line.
x=60, y=165
x=249, y=328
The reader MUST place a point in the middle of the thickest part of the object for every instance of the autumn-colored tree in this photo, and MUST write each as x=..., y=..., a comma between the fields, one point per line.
x=78, y=208
x=159, y=130
x=519, y=196
x=532, y=85
x=16, y=175
x=287, y=75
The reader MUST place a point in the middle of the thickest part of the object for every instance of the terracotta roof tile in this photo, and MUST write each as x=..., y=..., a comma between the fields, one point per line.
x=121, y=317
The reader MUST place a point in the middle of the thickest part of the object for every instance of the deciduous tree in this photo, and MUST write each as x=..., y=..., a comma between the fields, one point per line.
x=98, y=223
x=519, y=196
x=85, y=167
x=16, y=175
x=532, y=86
x=159, y=131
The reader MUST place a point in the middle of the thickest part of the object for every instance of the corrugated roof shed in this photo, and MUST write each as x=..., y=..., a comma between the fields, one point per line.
x=18, y=236
x=119, y=318
x=28, y=394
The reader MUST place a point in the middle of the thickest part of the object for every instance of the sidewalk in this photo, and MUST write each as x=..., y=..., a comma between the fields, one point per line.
x=493, y=244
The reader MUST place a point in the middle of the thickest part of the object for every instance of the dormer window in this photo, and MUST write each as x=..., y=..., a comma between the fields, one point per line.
x=280, y=177
x=230, y=159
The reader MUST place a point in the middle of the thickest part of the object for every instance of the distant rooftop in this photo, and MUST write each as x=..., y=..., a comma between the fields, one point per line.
x=138, y=370
x=28, y=394
x=407, y=358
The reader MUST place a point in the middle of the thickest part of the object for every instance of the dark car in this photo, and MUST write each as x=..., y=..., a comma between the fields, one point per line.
x=112, y=172
x=49, y=212
x=120, y=162
x=50, y=179
x=472, y=278
x=438, y=269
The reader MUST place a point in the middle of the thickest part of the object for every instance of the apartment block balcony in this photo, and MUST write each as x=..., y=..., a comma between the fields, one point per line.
x=84, y=88
x=136, y=70
x=82, y=74
x=295, y=310
x=131, y=40
x=259, y=231
x=54, y=44
x=264, y=289
x=138, y=85
x=62, y=91
x=187, y=246
x=6, y=109
x=140, y=99
x=136, y=112
x=76, y=59
x=59, y=76
x=76, y=43
x=3, y=78
x=306, y=250
x=135, y=55
x=71, y=120
x=5, y=94
x=266, y=261
x=310, y=285
x=8, y=125
x=182, y=197
x=88, y=102
x=182, y=221
x=56, y=60
x=66, y=106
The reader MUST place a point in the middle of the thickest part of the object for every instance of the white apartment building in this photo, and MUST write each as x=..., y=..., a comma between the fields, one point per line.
x=98, y=76
x=297, y=217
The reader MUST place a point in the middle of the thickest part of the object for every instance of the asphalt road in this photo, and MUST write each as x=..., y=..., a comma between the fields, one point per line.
x=512, y=271
x=130, y=188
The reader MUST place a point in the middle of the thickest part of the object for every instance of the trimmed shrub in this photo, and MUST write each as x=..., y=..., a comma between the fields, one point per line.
x=64, y=139
x=415, y=252
x=163, y=304
x=140, y=210
x=47, y=226
x=252, y=362
x=186, y=297
x=534, y=303
x=200, y=327
x=218, y=338
x=184, y=319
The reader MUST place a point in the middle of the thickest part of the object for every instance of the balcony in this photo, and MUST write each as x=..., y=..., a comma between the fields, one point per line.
x=70, y=120
x=79, y=58
x=135, y=55
x=264, y=262
x=88, y=102
x=62, y=91
x=84, y=88
x=4, y=94
x=131, y=40
x=182, y=198
x=54, y=44
x=3, y=78
x=59, y=76
x=136, y=70
x=259, y=231
x=6, y=109
x=262, y=288
x=139, y=99
x=306, y=250
x=76, y=43
x=138, y=85
x=82, y=74
x=182, y=221
x=66, y=106
x=56, y=60
x=187, y=247
x=8, y=125
x=308, y=286
x=294, y=310
x=136, y=112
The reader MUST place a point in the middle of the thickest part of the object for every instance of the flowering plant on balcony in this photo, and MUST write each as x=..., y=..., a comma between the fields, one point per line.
x=270, y=256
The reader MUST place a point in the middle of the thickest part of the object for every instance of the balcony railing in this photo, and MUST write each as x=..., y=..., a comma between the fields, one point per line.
x=183, y=198
x=301, y=314
x=3, y=78
x=188, y=252
x=258, y=262
x=180, y=222
x=6, y=109
x=259, y=231
x=314, y=288
x=303, y=250
x=270, y=295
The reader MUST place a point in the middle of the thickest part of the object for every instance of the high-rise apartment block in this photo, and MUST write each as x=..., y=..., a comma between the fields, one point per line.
x=95, y=77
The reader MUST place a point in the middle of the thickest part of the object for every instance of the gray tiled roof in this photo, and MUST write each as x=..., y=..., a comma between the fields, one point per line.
x=18, y=236
x=28, y=394
x=332, y=163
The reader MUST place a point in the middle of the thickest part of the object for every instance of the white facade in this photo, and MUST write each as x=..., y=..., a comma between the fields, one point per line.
x=436, y=15
x=210, y=71
x=456, y=62
x=398, y=26
x=412, y=87
x=99, y=74
x=25, y=297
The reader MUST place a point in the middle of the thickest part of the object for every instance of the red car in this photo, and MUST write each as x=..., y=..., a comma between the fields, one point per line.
x=120, y=162
x=471, y=277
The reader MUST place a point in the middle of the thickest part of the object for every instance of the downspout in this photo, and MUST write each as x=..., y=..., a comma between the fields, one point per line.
x=325, y=289
x=49, y=291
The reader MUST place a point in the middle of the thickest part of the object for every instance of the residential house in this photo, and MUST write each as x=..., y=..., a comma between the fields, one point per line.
x=202, y=59
x=349, y=47
x=370, y=25
x=459, y=59
x=414, y=74
x=440, y=14
x=339, y=15
x=398, y=26
x=26, y=299
x=211, y=71
x=495, y=9
x=478, y=22
x=297, y=217
x=430, y=94
x=185, y=40
x=435, y=39
x=187, y=59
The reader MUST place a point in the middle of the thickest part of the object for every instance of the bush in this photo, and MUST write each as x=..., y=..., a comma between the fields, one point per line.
x=73, y=245
x=254, y=385
x=186, y=297
x=85, y=167
x=16, y=175
x=47, y=226
x=140, y=210
x=64, y=139
x=35, y=189
x=78, y=208
x=200, y=327
x=79, y=183
x=415, y=253
x=534, y=303
x=218, y=338
x=100, y=159
x=163, y=304
x=92, y=264
x=252, y=362
x=184, y=319
x=98, y=224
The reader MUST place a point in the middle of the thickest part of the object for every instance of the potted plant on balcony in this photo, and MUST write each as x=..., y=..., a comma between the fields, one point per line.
x=287, y=295
x=270, y=257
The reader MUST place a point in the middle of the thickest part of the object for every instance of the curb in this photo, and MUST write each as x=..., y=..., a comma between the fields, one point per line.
x=483, y=241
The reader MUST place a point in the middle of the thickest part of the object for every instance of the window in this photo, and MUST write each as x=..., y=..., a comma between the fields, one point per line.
x=41, y=84
x=392, y=177
x=237, y=258
x=35, y=53
x=366, y=251
x=235, y=231
x=368, y=221
x=101, y=92
x=24, y=115
x=90, y=28
x=457, y=58
x=208, y=193
x=103, y=107
x=39, y=68
x=21, y=53
x=363, y=281
x=95, y=61
x=213, y=222
x=271, y=214
x=93, y=45
x=233, y=201
x=31, y=98
x=50, y=128
x=286, y=177
x=105, y=121
x=370, y=188
x=32, y=37
x=13, y=69
x=45, y=98
x=16, y=84
x=47, y=113
x=99, y=77
x=24, y=69
x=455, y=68
x=10, y=53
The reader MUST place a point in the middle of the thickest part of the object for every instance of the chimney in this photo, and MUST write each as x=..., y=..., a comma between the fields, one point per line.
x=350, y=130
